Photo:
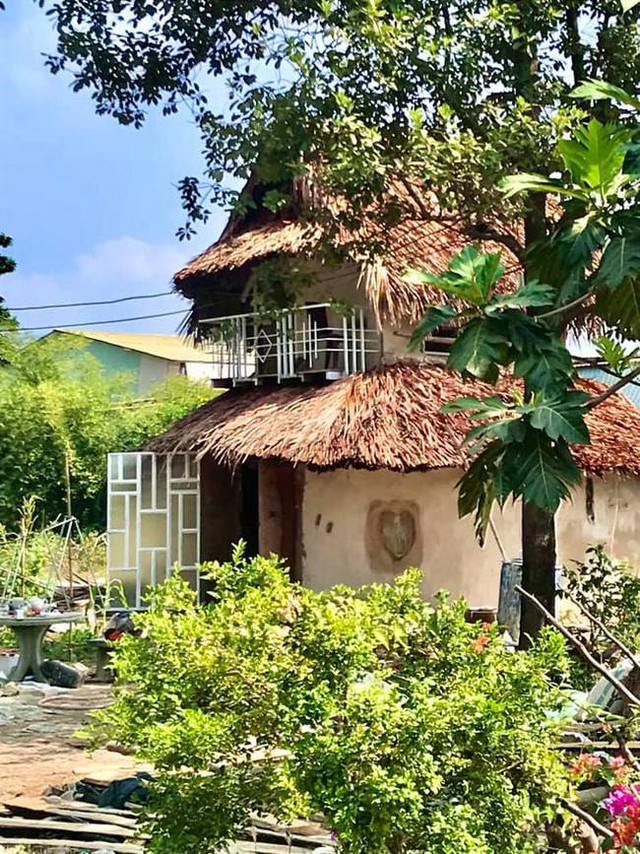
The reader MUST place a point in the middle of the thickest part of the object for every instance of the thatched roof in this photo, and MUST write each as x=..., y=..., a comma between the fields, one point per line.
x=416, y=241
x=388, y=418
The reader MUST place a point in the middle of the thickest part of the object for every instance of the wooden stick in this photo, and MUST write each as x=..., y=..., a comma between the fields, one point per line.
x=626, y=750
x=624, y=649
x=593, y=823
x=623, y=381
x=617, y=684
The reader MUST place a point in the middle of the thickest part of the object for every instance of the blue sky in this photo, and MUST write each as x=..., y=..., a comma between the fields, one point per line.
x=91, y=205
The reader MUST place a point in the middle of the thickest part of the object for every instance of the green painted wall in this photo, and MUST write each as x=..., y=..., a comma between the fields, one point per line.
x=115, y=360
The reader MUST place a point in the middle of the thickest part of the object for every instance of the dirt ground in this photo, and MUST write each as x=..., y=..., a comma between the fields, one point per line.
x=38, y=749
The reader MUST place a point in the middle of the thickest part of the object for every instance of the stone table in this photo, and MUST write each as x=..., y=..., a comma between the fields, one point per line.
x=30, y=632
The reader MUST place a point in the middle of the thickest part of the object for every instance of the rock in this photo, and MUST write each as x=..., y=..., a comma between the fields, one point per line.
x=61, y=674
x=10, y=689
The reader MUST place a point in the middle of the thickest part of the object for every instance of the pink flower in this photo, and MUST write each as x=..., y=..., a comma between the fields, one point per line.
x=617, y=762
x=620, y=800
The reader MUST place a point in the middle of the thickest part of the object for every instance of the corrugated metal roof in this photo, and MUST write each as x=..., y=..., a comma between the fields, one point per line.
x=169, y=347
x=631, y=391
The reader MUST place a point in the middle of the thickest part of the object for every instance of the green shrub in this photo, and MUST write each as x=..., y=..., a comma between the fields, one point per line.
x=408, y=728
x=610, y=591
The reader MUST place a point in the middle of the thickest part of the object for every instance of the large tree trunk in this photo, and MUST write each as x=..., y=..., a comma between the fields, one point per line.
x=538, y=568
x=538, y=526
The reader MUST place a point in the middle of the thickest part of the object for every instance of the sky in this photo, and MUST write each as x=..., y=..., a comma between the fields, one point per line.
x=91, y=205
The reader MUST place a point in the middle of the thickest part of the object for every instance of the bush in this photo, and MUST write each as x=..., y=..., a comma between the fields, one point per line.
x=610, y=591
x=408, y=728
x=57, y=403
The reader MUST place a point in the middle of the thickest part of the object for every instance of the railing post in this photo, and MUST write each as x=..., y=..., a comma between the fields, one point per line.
x=345, y=342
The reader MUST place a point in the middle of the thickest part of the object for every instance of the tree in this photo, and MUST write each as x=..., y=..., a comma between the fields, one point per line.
x=7, y=320
x=591, y=254
x=60, y=417
x=448, y=96
x=408, y=728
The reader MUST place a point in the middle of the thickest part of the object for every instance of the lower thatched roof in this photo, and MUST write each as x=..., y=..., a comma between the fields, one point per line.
x=388, y=418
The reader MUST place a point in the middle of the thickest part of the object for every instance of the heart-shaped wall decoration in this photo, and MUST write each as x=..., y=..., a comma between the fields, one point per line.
x=397, y=532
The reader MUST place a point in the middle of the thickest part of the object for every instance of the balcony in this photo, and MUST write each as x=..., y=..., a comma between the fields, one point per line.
x=299, y=343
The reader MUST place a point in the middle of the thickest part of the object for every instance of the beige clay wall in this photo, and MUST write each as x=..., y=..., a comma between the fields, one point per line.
x=334, y=530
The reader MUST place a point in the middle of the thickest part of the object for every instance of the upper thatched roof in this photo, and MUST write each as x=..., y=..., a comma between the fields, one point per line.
x=388, y=418
x=424, y=240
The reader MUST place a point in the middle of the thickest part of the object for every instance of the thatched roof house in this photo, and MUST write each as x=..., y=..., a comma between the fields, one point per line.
x=330, y=446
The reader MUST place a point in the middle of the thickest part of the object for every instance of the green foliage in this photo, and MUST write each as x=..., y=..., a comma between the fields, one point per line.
x=609, y=590
x=55, y=401
x=457, y=94
x=7, y=265
x=523, y=446
x=407, y=727
x=613, y=352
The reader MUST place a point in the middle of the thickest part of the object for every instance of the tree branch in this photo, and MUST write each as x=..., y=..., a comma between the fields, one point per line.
x=588, y=819
x=620, y=687
x=510, y=241
x=604, y=368
x=417, y=198
x=563, y=308
x=574, y=45
x=625, y=380
x=624, y=649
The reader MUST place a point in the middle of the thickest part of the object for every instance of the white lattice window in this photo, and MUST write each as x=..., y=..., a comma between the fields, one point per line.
x=153, y=520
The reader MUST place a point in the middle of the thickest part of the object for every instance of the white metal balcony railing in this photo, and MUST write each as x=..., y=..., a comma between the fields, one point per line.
x=312, y=339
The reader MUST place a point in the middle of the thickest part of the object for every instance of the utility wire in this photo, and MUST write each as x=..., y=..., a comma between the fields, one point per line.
x=81, y=304
x=96, y=322
x=90, y=323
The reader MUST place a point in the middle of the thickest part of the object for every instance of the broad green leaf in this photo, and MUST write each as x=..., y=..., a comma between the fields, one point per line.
x=562, y=418
x=620, y=308
x=482, y=269
x=546, y=370
x=507, y=430
x=533, y=294
x=479, y=349
x=632, y=160
x=525, y=183
x=595, y=154
x=476, y=488
x=620, y=261
x=614, y=354
x=547, y=471
x=598, y=90
x=434, y=317
x=471, y=276
x=526, y=333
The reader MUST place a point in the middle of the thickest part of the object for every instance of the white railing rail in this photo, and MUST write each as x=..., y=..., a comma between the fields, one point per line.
x=311, y=339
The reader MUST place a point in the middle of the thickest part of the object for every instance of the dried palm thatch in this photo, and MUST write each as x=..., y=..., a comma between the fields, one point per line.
x=424, y=238
x=388, y=418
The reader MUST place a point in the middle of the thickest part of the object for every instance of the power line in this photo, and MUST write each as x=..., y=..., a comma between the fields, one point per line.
x=81, y=304
x=96, y=322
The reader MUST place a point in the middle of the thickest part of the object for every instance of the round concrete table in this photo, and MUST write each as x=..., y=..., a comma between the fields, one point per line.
x=30, y=632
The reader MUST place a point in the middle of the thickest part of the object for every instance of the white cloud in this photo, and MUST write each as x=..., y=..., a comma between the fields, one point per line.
x=23, y=40
x=130, y=258
x=123, y=267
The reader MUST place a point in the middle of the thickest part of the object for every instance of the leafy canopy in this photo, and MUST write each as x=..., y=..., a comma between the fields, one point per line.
x=370, y=92
x=522, y=445
x=407, y=727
